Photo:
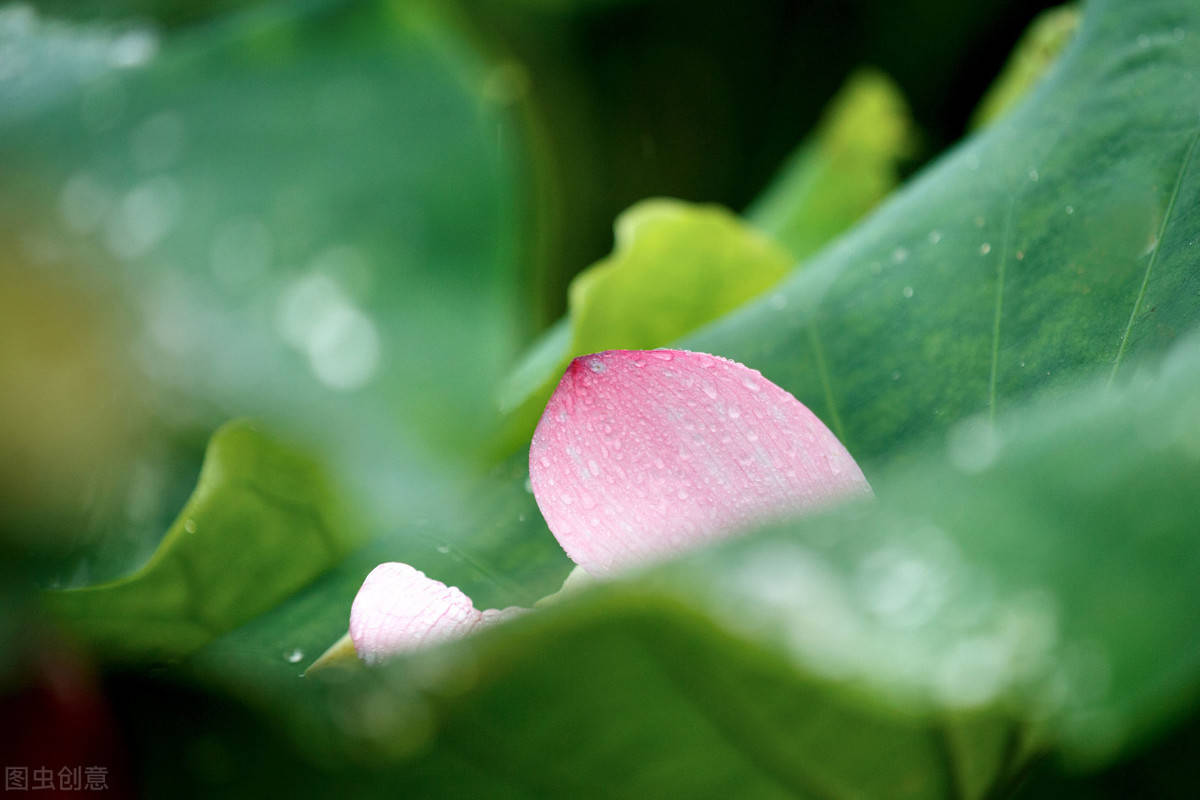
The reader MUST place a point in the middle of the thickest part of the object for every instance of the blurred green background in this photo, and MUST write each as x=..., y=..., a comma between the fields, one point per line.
x=623, y=100
x=343, y=225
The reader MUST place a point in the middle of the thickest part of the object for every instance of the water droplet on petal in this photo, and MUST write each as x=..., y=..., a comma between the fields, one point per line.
x=398, y=609
x=727, y=455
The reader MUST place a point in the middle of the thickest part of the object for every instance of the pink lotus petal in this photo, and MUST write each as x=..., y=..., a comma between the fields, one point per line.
x=399, y=609
x=643, y=453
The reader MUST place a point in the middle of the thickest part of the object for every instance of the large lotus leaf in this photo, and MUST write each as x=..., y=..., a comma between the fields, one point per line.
x=307, y=216
x=262, y=523
x=1059, y=241
x=1028, y=589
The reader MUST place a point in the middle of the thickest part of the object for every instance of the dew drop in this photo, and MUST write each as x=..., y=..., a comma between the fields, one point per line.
x=907, y=291
x=189, y=525
x=133, y=48
x=973, y=445
x=1033, y=175
x=985, y=248
x=1070, y=209
x=935, y=237
x=596, y=365
x=294, y=655
x=344, y=349
x=751, y=385
x=144, y=217
x=899, y=254
x=661, y=355
x=972, y=673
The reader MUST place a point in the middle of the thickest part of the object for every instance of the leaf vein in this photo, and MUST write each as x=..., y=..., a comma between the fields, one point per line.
x=1162, y=230
x=999, y=309
x=826, y=384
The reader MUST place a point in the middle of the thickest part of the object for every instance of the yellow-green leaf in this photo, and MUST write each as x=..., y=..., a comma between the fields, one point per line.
x=1037, y=51
x=850, y=163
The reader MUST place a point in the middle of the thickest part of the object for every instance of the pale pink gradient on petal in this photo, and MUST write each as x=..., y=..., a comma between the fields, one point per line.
x=644, y=453
x=399, y=609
